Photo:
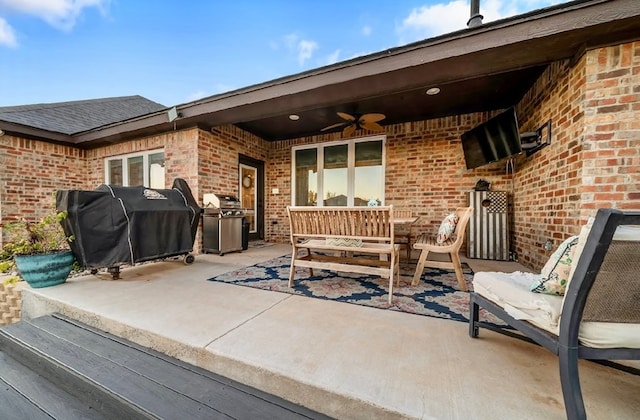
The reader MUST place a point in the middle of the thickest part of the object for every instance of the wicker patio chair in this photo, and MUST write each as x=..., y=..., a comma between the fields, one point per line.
x=602, y=297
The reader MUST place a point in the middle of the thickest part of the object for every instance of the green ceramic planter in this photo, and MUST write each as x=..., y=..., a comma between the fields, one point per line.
x=44, y=270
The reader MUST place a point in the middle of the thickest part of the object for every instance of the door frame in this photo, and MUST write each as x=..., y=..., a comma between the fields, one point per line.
x=259, y=184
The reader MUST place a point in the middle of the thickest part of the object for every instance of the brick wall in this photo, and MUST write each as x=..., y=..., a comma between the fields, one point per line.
x=208, y=161
x=30, y=173
x=547, y=184
x=219, y=152
x=594, y=157
x=425, y=171
x=96, y=157
x=278, y=175
x=611, y=156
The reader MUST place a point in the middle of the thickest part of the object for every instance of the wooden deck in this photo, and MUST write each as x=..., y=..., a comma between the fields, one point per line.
x=55, y=367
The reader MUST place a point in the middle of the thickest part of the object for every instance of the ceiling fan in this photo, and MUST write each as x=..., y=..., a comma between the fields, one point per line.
x=353, y=122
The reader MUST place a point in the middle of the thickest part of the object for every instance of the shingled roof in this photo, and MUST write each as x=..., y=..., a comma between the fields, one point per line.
x=78, y=116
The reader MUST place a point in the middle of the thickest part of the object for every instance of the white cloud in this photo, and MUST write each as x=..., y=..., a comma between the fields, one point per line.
x=366, y=30
x=333, y=57
x=61, y=14
x=196, y=95
x=359, y=54
x=291, y=40
x=223, y=87
x=427, y=21
x=303, y=48
x=7, y=36
x=217, y=88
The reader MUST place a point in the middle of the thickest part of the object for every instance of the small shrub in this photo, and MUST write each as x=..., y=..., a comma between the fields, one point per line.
x=41, y=237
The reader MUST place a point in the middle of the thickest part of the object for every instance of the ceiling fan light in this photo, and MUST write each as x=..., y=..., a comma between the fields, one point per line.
x=294, y=117
x=433, y=91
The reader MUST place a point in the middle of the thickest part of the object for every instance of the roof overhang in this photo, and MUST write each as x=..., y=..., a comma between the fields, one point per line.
x=483, y=68
x=21, y=130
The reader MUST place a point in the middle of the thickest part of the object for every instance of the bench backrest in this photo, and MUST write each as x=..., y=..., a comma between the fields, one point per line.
x=366, y=223
x=605, y=286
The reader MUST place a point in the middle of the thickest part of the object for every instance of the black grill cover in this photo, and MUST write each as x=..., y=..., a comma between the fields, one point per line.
x=114, y=225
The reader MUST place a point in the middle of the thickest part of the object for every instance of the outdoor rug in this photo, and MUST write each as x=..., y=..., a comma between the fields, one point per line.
x=259, y=244
x=435, y=295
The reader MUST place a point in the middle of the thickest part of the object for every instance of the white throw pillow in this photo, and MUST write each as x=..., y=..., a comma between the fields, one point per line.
x=582, y=240
x=554, y=276
x=447, y=227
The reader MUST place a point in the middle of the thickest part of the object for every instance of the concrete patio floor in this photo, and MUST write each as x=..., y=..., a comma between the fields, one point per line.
x=347, y=361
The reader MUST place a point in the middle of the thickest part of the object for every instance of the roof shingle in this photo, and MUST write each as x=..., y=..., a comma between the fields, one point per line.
x=77, y=116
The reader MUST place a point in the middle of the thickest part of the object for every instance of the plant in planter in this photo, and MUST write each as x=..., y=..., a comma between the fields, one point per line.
x=40, y=250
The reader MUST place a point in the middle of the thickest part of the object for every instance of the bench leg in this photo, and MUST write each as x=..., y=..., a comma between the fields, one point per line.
x=292, y=270
x=457, y=267
x=309, y=255
x=420, y=267
x=394, y=274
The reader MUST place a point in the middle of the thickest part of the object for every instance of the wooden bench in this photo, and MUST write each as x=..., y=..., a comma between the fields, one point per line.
x=347, y=239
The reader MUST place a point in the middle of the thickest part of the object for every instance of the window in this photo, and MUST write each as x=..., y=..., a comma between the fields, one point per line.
x=348, y=173
x=131, y=170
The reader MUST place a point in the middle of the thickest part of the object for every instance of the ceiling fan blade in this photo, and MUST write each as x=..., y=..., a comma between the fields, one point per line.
x=371, y=118
x=333, y=126
x=349, y=130
x=346, y=116
x=373, y=126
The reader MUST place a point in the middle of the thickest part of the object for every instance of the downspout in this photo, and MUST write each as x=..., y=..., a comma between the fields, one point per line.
x=476, y=17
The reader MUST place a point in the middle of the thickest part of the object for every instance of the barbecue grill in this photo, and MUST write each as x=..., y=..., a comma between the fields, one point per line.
x=115, y=225
x=222, y=224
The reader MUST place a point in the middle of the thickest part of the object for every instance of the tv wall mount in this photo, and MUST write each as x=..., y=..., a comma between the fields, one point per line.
x=532, y=141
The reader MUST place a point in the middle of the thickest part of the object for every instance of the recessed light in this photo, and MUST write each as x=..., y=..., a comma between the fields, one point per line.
x=433, y=91
x=294, y=117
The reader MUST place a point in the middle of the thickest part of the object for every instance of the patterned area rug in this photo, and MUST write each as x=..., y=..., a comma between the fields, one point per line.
x=259, y=244
x=436, y=295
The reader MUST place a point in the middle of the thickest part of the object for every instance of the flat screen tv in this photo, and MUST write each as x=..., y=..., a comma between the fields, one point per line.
x=493, y=140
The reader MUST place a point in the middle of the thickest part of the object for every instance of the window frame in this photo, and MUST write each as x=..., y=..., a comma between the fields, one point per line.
x=125, y=167
x=351, y=160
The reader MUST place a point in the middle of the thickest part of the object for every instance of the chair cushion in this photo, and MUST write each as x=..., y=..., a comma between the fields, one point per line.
x=511, y=292
x=554, y=276
x=447, y=227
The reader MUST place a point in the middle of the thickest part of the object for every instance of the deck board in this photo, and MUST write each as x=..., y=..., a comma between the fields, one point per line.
x=164, y=386
x=27, y=395
x=216, y=391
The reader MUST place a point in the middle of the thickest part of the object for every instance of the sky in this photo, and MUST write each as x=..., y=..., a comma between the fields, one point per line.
x=176, y=51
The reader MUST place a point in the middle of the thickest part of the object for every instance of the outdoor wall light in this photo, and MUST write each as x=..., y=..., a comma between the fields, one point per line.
x=173, y=114
x=433, y=91
x=294, y=117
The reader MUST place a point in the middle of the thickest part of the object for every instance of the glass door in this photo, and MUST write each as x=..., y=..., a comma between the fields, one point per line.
x=249, y=194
